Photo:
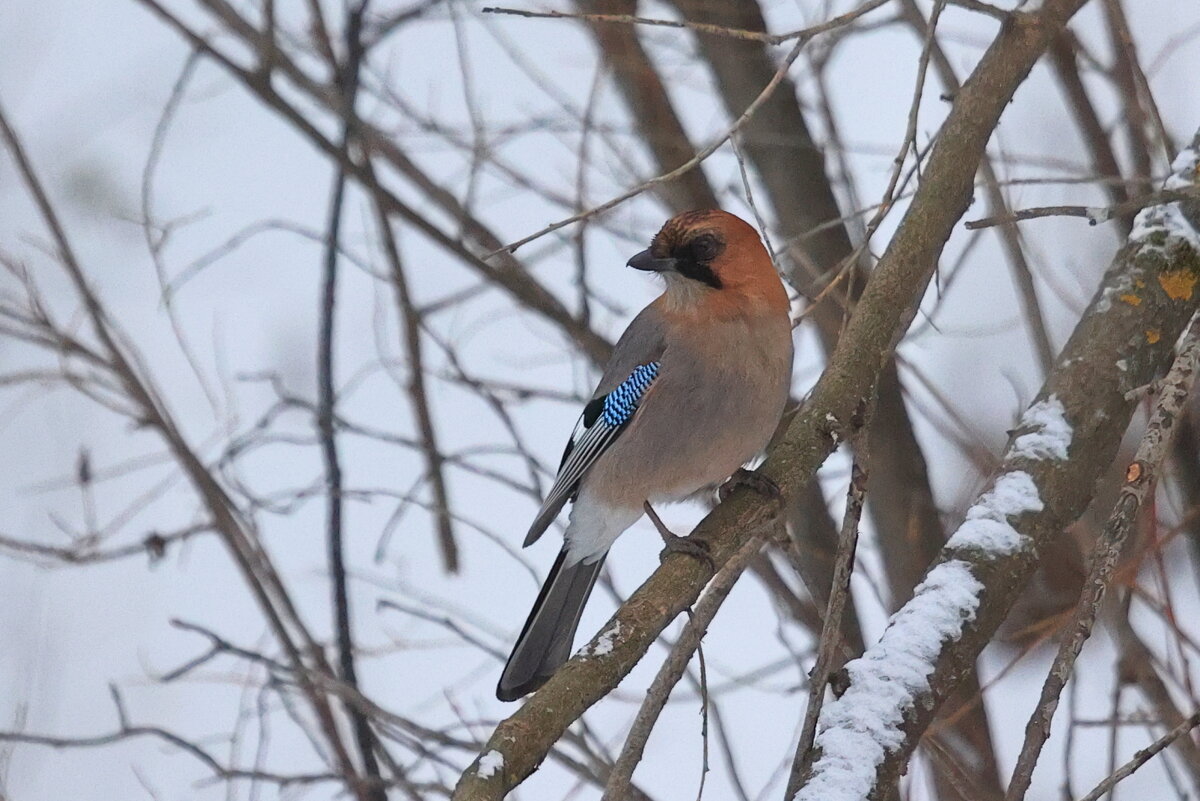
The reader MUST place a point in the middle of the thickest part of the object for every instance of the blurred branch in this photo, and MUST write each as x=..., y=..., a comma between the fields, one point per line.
x=1010, y=238
x=712, y=30
x=746, y=115
x=507, y=272
x=1136, y=666
x=154, y=545
x=410, y=320
x=117, y=356
x=1093, y=214
x=1133, y=111
x=128, y=731
x=1142, y=757
x=347, y=77
x=650, y=108
x=1095, y=137
x=831, y=635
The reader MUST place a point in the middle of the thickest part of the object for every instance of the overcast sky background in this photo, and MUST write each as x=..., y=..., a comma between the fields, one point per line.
x=85, y=81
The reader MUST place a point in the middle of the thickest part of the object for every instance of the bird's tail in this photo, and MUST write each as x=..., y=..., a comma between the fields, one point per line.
x=545, y=642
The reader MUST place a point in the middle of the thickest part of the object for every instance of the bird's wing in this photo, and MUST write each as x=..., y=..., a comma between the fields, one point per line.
x=602, y=421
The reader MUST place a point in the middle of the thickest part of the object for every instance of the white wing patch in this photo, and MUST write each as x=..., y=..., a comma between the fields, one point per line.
x=588, y=442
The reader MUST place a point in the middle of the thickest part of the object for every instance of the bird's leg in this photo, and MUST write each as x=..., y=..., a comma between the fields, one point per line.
x=676, y=544
x=751, y=479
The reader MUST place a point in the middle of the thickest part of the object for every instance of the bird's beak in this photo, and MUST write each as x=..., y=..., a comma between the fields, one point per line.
x=646, y=262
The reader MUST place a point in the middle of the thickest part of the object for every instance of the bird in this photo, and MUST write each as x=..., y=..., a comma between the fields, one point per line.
x=692, y=392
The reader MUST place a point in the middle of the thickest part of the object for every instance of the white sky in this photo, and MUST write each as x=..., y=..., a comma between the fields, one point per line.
x=85, y=82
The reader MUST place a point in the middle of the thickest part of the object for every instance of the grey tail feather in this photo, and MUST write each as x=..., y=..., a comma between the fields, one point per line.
x=545, y=642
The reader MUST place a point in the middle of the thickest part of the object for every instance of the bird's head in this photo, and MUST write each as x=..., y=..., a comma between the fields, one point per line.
x=711, y=259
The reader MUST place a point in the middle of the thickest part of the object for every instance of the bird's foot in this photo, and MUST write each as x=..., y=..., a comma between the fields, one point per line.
x=751, y=479
x=673, y=543
x=697, y=549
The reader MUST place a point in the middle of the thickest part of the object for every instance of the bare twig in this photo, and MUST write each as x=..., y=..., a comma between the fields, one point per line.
x=1093, y=214
x=118, y=358
x=699, y=27
x=154, y=545
x=1142, y=757
x=410, y=319
x=1139, y=479
x=673, y=668
x=829, y=644
x=802, y=38
x=348, y=80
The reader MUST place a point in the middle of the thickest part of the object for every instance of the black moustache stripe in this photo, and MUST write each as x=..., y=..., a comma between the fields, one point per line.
x=698, y=271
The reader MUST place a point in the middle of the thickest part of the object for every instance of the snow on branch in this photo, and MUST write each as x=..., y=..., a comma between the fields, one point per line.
x=1065, y=439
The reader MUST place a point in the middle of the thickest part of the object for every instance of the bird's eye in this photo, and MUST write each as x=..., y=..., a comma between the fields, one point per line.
x=704, y=247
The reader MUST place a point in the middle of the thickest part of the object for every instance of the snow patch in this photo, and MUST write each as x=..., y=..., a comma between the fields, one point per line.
x=606, y=641
x=1098, y=214
x=861, y=727
x=1184, y=170
x=835, y=428
x=1168, y=218
x=1051, y=434
x=489, y=764
x=986, y=526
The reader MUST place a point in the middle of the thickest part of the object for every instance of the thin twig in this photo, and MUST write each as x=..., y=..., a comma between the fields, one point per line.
x=410, y=320
x=673, y=668
x=348, y=80
x=1139, y=479
x=122, y=361
x=153, y=545
x=1093, y=214
x=829, y=644
x=758, y=215
x=802, y=38
x=1142, y=757
x=699, y=27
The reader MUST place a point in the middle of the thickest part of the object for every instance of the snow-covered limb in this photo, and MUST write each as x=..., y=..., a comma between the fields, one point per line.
x=1065, y=440
x=861, y=727
x=1156, y=226
x=1044, y=432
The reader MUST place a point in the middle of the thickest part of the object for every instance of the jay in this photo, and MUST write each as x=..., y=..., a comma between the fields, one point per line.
x=693, y=390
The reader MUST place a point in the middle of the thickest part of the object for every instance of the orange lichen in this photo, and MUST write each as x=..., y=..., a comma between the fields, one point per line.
x=1178, y=284
x=1153, y=335
x=1131, y=299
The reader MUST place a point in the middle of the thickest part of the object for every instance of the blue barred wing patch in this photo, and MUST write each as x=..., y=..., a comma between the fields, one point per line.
x=593, y=435
x=622, y=402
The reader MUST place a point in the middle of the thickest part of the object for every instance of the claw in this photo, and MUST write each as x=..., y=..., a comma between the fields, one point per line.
x=697, y=549
x=751, y=480
x=673, y=543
